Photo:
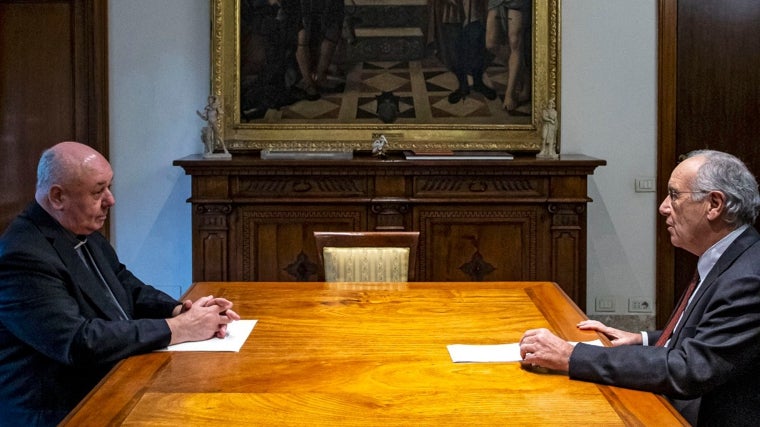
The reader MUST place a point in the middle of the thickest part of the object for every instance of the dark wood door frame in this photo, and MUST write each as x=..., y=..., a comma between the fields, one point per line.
x=92, y=74
x=666, y=151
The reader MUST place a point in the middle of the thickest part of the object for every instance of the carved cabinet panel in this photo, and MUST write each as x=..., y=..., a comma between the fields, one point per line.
x=522, y=219
x=276, y=242
x=491, y=243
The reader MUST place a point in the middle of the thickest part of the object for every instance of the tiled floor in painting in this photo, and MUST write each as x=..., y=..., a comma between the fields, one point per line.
x=422, y=87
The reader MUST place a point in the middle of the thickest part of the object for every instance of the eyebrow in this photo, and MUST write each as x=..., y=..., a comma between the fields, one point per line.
x=102, y=184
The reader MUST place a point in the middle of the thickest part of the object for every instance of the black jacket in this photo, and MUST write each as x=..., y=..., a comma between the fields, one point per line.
x=58, y=335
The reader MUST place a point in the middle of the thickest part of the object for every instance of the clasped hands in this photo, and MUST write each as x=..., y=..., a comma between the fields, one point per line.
x=201, y=319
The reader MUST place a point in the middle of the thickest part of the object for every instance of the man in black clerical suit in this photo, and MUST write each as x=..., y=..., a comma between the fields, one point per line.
x=709, y=366
x=69, y=310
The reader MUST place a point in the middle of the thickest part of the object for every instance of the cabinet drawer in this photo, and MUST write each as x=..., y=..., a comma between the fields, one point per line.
x=300, y=186
x=480, y=186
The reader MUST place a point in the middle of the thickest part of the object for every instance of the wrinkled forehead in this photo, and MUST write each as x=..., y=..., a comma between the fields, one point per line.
x=685, y=172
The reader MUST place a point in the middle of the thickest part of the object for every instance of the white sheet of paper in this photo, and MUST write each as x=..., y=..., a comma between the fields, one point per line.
x=237, y=333
x=491, y=353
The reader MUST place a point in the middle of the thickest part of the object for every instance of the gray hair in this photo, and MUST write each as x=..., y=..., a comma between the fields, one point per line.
x=48, y=171
x=726, y=173
x=54, y=168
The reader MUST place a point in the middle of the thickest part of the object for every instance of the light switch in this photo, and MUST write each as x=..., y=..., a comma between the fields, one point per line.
x=644, y=185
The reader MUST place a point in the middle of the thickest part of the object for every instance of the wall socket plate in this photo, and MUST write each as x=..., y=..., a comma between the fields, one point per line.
x=644, y=184
x=639, y=305
x=605, y=304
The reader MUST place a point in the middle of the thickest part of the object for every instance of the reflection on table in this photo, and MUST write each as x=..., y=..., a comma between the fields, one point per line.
x=369, y=354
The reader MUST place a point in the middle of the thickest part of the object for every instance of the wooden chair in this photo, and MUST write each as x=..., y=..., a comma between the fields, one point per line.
x=367, y=256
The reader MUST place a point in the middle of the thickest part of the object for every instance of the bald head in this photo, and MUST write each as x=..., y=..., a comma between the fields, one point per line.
x=73, y=185
x=65, y=163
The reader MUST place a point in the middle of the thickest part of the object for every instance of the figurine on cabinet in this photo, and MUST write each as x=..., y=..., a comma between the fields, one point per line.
x=380, y=147
x=549, y=133
x=210, y=135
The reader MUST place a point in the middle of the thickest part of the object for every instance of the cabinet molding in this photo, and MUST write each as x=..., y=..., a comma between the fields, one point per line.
x=518, y=220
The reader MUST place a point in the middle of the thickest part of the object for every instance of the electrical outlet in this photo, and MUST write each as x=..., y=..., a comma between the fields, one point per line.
x=605, y=304
x=639, y=305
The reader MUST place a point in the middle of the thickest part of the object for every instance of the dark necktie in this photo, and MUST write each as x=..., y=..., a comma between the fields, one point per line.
x=668, y=331
x=89, y=262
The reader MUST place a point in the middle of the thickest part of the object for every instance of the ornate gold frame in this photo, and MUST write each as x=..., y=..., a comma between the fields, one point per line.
x=241, y=137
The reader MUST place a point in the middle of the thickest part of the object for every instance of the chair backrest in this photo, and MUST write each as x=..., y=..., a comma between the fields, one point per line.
x=361, y=256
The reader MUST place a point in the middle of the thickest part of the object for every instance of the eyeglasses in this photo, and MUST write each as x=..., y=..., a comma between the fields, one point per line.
x=675, y=194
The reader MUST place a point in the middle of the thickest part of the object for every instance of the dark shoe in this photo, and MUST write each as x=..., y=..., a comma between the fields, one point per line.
x=458, y=95
x=312, y=96
x=489, y=93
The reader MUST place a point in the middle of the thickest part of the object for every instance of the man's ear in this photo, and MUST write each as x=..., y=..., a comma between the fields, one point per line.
x=717, y=205
x=56, y=197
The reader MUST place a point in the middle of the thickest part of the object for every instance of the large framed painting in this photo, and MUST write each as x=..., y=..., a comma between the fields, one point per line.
x=332, y=75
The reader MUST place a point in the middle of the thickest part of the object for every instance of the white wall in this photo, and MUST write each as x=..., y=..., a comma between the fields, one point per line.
x=159, y=77
x=609, y=110
x=159, y=71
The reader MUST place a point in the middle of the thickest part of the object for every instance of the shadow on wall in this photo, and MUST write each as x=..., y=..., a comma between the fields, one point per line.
x=165, y=257
x=609, y=269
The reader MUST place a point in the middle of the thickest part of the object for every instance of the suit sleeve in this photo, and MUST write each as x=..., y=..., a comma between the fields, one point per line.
x=719, y=341
x=42, y=306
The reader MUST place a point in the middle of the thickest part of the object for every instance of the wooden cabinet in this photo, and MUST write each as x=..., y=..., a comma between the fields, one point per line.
x=521, y=219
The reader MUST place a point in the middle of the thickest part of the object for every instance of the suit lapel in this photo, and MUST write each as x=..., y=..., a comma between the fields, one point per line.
x=63, y=243
x=734, y=250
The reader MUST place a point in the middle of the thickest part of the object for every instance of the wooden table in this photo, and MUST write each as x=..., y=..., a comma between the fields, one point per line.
x=368, y=354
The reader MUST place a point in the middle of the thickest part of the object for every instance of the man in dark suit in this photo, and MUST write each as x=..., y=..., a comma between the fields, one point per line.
x=709, y=366
x=69, y=310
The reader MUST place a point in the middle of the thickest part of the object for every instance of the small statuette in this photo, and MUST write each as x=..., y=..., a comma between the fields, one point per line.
x=211, y=135
x=380, y=147
x=549, y=133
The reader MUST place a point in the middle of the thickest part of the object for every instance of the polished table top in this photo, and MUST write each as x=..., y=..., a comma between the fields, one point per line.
x=345, y=354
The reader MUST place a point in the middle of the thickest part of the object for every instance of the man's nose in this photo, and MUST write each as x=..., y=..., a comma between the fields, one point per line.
x=665, y=206
x=109, y=199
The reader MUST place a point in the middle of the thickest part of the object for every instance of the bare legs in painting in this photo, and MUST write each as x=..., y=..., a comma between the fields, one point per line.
x=510, y=17
x=314, y=80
